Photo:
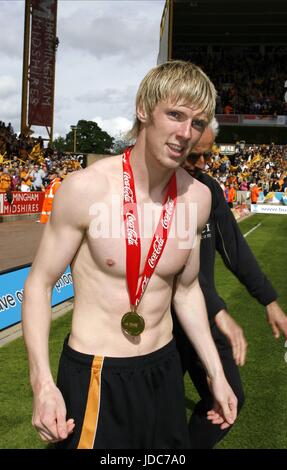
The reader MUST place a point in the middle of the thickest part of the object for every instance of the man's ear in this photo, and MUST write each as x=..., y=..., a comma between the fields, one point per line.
x=141, y=114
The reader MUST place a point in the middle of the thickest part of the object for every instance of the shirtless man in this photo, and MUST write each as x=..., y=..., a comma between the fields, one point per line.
x=120, y=381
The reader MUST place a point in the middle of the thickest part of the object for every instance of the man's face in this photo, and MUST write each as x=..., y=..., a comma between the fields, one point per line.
x=201, y=152
x=172, y=131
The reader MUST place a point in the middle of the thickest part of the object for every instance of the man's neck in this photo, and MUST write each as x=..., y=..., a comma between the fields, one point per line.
x=151, y=178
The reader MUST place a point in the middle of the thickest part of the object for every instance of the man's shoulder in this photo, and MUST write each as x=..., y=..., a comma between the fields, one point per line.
x=76, y=184
x=107, y=167
x=94, y=179
x=107, y=163
x=86, y=177
x=74, y=197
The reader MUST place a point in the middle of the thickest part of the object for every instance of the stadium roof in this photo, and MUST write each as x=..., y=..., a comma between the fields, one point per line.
x=229, y=22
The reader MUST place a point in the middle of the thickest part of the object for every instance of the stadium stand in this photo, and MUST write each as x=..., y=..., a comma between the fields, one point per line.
x=239, y=75
x=25, y=163
x=265, y=165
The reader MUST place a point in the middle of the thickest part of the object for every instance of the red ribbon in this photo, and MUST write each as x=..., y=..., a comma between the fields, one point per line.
x=133, y=245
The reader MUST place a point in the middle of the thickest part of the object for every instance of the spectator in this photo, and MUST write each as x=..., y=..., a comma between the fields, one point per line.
x=255, y=191
x=50, y=192
x=231, y=195
x=38, y=175
x=26, y=179
x=5, y=180
x=16, y=180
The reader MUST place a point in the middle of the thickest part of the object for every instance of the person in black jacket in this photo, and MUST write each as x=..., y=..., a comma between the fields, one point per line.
x=222, y=234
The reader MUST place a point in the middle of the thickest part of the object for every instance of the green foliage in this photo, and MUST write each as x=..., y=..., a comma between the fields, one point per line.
x=60, y=144
x=90, y=138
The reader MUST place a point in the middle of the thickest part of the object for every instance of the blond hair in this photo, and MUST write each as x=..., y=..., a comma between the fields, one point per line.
x=177, y=81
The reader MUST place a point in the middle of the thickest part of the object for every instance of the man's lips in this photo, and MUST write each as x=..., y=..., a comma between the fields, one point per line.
x=177, y=150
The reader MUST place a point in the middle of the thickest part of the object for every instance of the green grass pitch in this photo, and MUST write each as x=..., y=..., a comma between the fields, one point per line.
x=263, y=420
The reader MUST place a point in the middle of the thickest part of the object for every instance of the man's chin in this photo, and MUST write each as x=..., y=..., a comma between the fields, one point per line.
x=172, y=163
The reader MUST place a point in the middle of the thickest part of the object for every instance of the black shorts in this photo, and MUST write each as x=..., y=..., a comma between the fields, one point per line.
x=124, y=403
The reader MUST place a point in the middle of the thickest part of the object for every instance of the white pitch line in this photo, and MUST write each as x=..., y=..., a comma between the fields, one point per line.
x=254, y=228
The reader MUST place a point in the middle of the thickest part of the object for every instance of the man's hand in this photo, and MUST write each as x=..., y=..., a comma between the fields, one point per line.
x=49, y=415
x=234, y=333
x=224, y=411
x=276, y=319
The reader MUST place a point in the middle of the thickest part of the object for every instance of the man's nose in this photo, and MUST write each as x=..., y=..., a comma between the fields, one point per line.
x=185, y=130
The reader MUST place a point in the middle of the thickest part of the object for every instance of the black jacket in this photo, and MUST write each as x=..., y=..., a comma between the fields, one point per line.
x=222, y=233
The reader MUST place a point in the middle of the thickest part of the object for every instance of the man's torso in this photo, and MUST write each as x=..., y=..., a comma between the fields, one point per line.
x=99, y=266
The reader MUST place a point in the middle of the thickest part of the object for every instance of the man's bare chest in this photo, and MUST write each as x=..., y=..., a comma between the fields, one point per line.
x=106, y=238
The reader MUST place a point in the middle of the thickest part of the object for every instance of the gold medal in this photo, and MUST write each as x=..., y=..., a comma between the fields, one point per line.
x=132, y=323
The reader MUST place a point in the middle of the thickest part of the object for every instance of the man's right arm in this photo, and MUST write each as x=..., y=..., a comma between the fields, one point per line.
x=61, y=238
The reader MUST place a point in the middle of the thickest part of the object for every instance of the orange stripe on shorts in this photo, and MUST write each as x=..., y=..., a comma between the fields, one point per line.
x=90, y=423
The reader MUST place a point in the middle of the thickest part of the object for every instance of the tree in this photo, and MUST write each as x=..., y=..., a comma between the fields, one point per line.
x=90, y=138
x=60, y=144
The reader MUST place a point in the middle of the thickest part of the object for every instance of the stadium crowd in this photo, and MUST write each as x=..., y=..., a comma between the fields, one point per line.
x=25, y=165
x=262, y=165
x=240, y=78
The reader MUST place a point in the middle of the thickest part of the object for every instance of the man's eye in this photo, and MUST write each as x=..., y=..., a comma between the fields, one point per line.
x=199, y=124
x=174, y=114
